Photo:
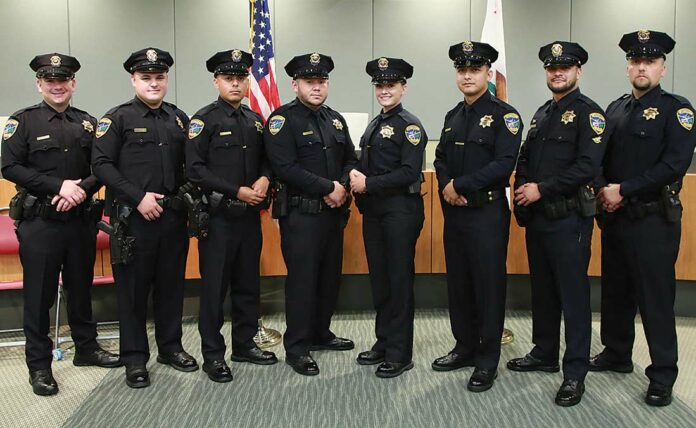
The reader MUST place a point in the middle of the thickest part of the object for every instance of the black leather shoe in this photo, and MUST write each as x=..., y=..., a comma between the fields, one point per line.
x=181, y=361
x=255, y=356
x=388, y=369
x=570, y=392
x=482, y=379
x=368, y=358
x=99, y=357
x=42, y=382
x=137, y=376
x=335, y=344
x=218, y=371
x=658, y=395
x=304, y=365
x=532, y=364
x=600, y=363
x=452, y=361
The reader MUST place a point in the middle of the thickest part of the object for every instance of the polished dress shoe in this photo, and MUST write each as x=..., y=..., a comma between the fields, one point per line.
x=368, y=358
x=658, y=394
x=482, y=379
x=304, y=365
x=255, y=356
x=600, y=363
x=42, y=382
x=99, y=357
x=532, y=364
x=389, y=369
x=452, y=361
x=137, y=376
x=335, y=344
x=570, y=392
x=218, y=371
x=181, y=361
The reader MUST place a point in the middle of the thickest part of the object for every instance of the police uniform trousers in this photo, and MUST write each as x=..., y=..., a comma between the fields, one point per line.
x=638, y=258
x=559, y=255
x=47, y=249
x=159, y=264
x=391, y=226
x=229, y=260
x=476, y=241
x=312, y=246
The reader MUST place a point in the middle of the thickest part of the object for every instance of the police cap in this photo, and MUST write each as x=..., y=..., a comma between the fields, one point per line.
x=149, y=60
x=55, y=66
x=646, y=43
x=310, y=65
x=562, y=53
x=234, y=61
x=389, y=70
x=472, y=54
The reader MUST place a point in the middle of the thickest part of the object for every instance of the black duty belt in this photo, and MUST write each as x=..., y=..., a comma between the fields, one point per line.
x=638, y=210
x=307, y=205
x=483, y=197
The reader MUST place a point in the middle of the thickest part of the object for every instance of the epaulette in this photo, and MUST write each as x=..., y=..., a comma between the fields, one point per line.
x=207, y=109
x=409, y=117
x=19, y=112
x=681, y=100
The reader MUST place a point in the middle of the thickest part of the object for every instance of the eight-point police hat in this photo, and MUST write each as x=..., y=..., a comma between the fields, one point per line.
x=389, y=70
x=562, y=53
x=310, y=65
x=149, y=60
x=472, y=54
x=230, y=62
x=55, y=66
x=646, y=43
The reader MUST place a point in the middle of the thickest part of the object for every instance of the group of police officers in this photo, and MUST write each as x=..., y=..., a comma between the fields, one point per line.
x=168, y=177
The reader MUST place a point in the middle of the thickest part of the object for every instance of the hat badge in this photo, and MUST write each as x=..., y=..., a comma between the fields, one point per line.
x=236, y=55
x=383, y=63
x=643, y=36
x=55, y=61
x=151, y=55
x=314, y=58
x=556, y=50
x=467, y=46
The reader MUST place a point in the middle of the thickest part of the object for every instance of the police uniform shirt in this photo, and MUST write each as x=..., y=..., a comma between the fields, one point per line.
x=564, y=147
x=392, y=150
x=652, y=143
x=309, y=149
x=478, y=146
x=42, y=147
x=225, y=148
x=138, y=149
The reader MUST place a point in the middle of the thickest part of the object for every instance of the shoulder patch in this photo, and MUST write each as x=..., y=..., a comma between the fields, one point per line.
x=685, y=116
x=598, y=123
x=195, y=128
x=10, y=127
x=413, y=134
x=102, y=126
x=512, y=122
x=275, y=124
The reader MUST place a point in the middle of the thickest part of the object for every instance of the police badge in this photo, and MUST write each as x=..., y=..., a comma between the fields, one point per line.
x=151, y=55
x=643, y=36
x=236, y=55
x=467, y=46
x=337, y=124
x=383, y=63
x=650, y=113
x=556, y=50
x=55, y=61
x=486, y=121
x=387, y=131
x=314, y=58
x=567, y=117
x=88, y=126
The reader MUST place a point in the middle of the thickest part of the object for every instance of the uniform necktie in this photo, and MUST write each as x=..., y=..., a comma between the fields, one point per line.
x=168, y=178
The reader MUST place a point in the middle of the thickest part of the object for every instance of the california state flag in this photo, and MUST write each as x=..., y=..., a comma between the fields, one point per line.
x=493, y=35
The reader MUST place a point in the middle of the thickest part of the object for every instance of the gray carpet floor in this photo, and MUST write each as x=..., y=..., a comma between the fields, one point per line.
x=348, y=395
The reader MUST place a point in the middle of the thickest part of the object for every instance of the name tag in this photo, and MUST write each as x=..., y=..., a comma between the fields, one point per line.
x=308, y=133
x=459, y=143
x=140, y=130
x=43, y=137
x=448, y=129
x=223, y=133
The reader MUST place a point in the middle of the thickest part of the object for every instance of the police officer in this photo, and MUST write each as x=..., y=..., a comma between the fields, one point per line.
x=561, y=156
x=387, y=186
x=310, y=150
x=647, y=156
x=225, y=157
x=477, y=151
x=139, y=155
x=46, y=152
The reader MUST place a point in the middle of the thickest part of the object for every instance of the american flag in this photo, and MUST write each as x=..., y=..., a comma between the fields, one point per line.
x=263, y=90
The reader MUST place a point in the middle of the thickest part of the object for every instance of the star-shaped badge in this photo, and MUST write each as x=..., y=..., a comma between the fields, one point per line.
x=387, y=131
x=486, y=121
x=337, y=124
x=88, y=126
x=650, y=113
x=568, y=117
x=179, y=122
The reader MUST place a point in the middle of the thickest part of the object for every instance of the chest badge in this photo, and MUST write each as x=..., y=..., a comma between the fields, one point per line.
x=650, y=113
x=686, y=118
x=259, y=126
x=387, y=131
x=179, y=122
x=88, y=126
x=486, y=121
x=568, y=117
x=338, y=124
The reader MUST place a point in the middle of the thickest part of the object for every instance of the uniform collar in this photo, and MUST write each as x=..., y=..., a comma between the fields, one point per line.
x=229, y=108
x=649, y=99
x=396, y=110
x=479, y=106
x=144, y=109
x=568, y=99
x=51, y=113
x=306, y=111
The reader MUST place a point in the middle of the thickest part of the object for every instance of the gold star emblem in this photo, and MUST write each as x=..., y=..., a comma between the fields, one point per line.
x=568, y=117
x=259, y=126
x=88, y=126
x=179, y=122
x=486, y=121
x=387, y=131
x=650, y=113
x=337, y=124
